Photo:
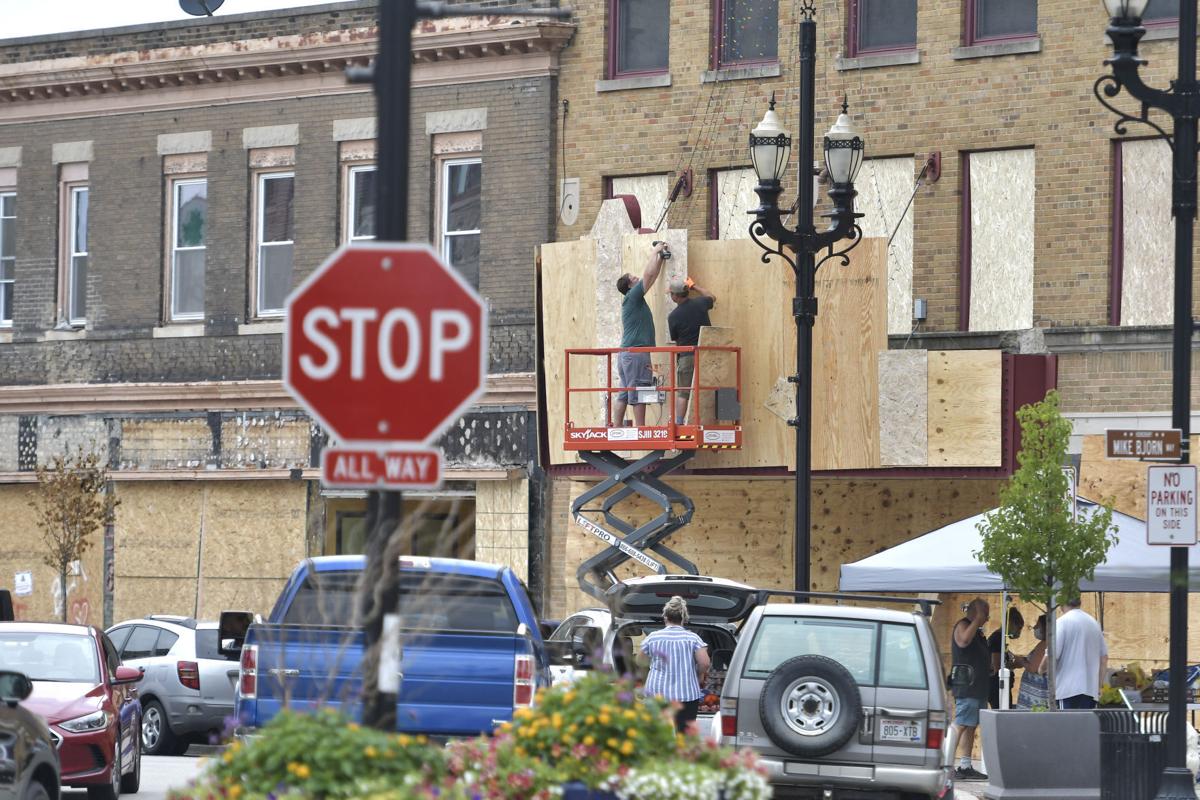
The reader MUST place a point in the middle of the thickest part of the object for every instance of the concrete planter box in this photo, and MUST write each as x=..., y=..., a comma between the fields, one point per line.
x=1041, y=755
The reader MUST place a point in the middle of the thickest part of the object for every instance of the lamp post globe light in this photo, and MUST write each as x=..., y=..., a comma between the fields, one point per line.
x=1182, y=103
x=770, y=151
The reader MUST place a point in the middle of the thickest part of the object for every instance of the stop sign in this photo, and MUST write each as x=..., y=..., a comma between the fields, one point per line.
x=384, y=343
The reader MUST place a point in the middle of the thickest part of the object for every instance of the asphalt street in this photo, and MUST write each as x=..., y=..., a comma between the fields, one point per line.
x=160, y=774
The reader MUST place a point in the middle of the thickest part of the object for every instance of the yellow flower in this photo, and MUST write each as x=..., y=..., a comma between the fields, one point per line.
x=422, y=739
x=604, y=709
x=403, y=740
x=227, y=756
x=589, y=740
x=631, y=733
x=302, y=771
x=627, y=748
x=370, y=752
x=569, y=696
x=353, y=726
x=556, y=719
x=612, y=743
x=523, y=713
x=572, y=728
x=630, y=714
x=604, y=718
x=590, y=720
x=235, y=791
x=566, y=738
x=506, y=727
x=521, y=752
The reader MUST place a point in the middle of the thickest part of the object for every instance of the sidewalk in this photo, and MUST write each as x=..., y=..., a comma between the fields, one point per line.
x=969, y=790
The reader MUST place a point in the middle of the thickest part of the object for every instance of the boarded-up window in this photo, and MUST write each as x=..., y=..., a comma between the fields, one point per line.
x=735, y=199
x=1147, y=251
x=884, y=186
x=998, y=247
x=650, y=191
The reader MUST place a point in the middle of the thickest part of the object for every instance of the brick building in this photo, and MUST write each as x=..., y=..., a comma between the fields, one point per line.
x=1041, y=231
x=162, y=189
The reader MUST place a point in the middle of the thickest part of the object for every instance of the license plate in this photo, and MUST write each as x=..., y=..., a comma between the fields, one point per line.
x=899, y=730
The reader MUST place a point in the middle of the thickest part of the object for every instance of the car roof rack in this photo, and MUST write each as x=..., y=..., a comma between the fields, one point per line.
x=174, y=619
x=925, y=604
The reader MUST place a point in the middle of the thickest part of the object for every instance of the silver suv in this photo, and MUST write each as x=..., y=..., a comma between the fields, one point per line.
x=187, y=685
x=840, y=701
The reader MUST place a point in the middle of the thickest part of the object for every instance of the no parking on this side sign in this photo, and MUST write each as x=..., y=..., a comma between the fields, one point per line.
x=1171, y=505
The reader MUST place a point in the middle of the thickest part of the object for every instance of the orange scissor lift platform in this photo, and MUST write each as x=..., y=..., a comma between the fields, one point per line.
x=667, y=447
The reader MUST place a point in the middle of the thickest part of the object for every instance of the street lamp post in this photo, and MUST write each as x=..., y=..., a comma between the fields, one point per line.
x=1182, y=103
x=770, y=149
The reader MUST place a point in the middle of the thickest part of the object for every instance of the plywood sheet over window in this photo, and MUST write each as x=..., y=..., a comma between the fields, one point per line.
x=651, y=193
x=1001, y=243
x=1147, y=252
x=884, y=187
x=735, y=200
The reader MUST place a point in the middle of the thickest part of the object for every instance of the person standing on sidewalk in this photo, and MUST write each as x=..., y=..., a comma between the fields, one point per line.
x=1080, y=658
x=970, y=648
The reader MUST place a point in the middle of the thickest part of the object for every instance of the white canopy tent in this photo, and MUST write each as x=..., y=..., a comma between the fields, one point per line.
x=942, y=561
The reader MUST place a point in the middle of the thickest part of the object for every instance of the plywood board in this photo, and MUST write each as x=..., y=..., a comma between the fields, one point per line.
x=714, y=368
x=135, y=597
x=1119, y=480
x=964, y=408
x=753, y=302
x=157, y=529
x=850, y=332
x=253, y=529
x=904, y=408
x=568, y=321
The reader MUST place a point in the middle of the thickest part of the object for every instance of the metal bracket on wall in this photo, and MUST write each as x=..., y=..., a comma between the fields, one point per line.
x=933, y=166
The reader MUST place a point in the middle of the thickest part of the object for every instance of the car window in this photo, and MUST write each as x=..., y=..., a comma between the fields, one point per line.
x=166, y=641
x=118, y=636
x=61, y=657
x=112, y=658
x=206, y=645
x=140, y=643
x=900, y=663
x=851, y=643
x=567, y=628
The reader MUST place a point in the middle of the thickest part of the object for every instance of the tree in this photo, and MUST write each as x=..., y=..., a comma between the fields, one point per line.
x=71, y=503
x=1032, y=541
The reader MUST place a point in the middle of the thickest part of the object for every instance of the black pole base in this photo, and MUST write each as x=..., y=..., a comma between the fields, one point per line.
x=1177, y=784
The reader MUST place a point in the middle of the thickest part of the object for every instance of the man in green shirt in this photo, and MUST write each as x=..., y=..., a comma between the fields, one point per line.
x=637, y=330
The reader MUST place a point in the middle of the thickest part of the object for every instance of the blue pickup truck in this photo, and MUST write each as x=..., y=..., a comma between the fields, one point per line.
x=471, y=649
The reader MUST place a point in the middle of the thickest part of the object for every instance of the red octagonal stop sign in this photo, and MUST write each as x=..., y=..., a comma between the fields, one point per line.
x=385, y=344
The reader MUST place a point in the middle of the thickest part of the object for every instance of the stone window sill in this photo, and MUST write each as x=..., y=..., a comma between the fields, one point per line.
x=177, y=331
x=843, y=63
x=65, y=335
x=6, y=335
x=1033, y=45
x=1154, y=33
x=263, y=327
x=634, y=82
x=741, y=73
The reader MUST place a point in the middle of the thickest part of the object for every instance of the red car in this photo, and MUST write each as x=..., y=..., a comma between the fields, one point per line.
x=88, y=699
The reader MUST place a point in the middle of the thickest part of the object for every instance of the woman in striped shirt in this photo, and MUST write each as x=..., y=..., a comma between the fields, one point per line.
x=678, y=662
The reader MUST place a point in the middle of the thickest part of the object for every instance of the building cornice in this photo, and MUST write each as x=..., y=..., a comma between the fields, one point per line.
x=510, y=390
x=445, y=52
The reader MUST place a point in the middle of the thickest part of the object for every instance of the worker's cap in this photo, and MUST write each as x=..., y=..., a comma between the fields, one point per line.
x=677, y=286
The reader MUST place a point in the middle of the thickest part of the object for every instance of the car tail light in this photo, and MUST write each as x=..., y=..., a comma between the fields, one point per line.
x=189, y=674
x=523, y=683
x=935, y=732
x=248, y=681
x=729, y=718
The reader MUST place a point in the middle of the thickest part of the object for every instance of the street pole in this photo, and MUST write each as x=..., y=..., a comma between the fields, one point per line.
x=392, y=78
x=804, y=308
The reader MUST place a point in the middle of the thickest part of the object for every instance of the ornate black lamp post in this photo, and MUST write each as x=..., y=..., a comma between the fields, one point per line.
x=770, y=148
x=1182, y=103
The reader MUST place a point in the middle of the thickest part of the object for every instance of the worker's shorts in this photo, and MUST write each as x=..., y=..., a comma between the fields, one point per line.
x=633, y=369
x=966, y=711
x=685, y=367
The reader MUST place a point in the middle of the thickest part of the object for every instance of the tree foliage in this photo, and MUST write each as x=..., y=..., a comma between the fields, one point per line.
x=1032, y=541
x=71, y=504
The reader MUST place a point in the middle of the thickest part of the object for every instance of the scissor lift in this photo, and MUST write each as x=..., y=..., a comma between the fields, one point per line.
x=667, y=447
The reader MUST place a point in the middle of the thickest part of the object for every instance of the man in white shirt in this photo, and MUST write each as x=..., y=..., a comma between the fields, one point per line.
x=1080, y=658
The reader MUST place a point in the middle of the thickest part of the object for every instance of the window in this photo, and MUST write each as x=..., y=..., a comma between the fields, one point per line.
x=8, y=255
x=651, y=193
x=900, y=662
x=747, y=32
x=166, y=640
x=998, y=20
x=119, y=635
x=360, y=198
x=461, y=211
x=140, y=644
x=207, y=645
x=1161, y=12
x=77, y=255
x=640, y=37
x=997, y=240
x=189, y=227
x=881, y=26
x=274, y=230
x=849, y=642
x=885, y=186
x=1142, y=282
x=731, y=198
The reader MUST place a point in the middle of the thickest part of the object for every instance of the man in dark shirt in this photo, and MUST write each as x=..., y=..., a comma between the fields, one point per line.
x=684, y=323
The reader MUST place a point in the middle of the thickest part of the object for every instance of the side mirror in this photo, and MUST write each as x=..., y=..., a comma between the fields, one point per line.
x=231, y=632
x=560, y=653
x=127, y=675
x=14, y=687
x=961, y=676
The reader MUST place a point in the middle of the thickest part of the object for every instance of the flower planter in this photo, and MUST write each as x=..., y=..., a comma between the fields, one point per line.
x=578, y=791
x=1039, y=755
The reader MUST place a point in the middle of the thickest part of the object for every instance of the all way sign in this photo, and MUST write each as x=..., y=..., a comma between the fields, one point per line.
x=1171, y=505
x=394, y=468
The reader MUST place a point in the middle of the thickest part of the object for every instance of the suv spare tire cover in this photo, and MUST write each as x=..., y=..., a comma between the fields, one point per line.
x=810, y=706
